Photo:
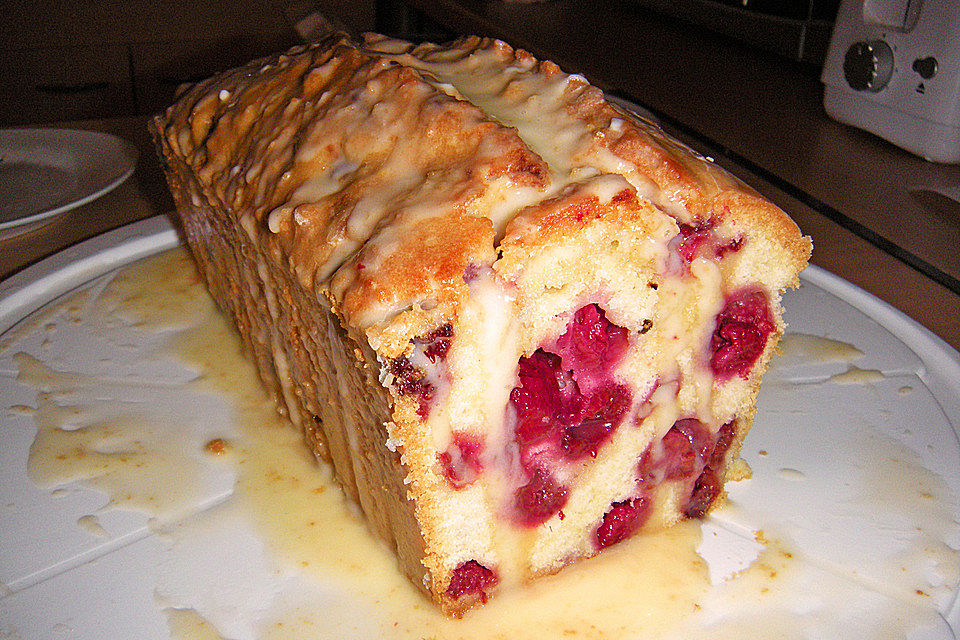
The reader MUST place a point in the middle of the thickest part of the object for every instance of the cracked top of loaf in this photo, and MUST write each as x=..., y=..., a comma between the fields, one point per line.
x=386, y=174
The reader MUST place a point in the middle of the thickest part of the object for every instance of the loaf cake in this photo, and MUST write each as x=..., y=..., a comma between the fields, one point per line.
x=521, y=323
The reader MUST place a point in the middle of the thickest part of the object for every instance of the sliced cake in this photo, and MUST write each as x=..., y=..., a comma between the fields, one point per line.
x=521, y=323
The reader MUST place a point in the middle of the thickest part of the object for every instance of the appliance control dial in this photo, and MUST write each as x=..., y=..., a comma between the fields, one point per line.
x=868, y=66
x=926, y=67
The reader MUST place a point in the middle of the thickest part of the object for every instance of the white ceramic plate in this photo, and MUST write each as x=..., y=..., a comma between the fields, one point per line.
x=46, y=172
x=831, y=457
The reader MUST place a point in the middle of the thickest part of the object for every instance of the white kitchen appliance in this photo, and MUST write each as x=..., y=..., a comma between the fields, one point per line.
x=893, y=68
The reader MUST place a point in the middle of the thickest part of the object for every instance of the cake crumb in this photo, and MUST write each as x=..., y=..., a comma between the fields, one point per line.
x=216, y=447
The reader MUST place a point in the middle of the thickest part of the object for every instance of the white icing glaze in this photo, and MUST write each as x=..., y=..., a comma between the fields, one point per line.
x=536, y=104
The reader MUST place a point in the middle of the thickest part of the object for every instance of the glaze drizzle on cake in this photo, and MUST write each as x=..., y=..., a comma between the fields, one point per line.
x=521, y=323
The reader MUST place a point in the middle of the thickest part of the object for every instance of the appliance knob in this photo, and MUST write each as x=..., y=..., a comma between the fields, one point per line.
x=868, y=66
x=926, y=67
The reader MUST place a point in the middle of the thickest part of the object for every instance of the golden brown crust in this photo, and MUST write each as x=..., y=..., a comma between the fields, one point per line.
x=425, y=275
x=307, y=144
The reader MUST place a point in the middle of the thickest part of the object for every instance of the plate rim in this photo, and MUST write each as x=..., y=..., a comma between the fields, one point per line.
x=90, y=141
x=46, y=280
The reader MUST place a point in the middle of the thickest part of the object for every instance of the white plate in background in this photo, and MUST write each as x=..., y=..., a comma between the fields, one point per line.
x=46, y=172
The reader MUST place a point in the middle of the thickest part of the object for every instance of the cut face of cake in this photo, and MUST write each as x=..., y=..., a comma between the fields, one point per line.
x=521, y=324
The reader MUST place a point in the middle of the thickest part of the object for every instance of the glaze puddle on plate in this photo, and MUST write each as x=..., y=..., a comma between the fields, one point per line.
x=847, y=528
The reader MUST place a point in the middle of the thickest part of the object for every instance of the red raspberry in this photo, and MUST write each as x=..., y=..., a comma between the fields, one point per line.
x=705, y=491
x=591, y=344
x=599, y=416
x=539, y=499
x=741, y=334
x=622, y=521
x=461, y=463
x=471, y=578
